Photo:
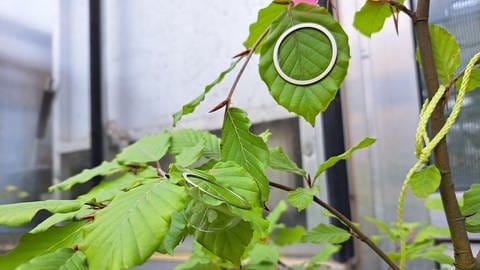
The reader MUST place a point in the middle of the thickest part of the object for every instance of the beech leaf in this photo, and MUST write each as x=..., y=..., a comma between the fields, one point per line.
x=425, y=181
x=63, y=259
x=304, y=54
x=471, y=200
x=137, y=221
x=245, y=148
x=288, y=236
x=474, y=82
x=147, y=149
x=278, y=160
x=192, y=105
x=325, y=254
x=184, y=139
x=263, y=257
x=228, y=244
x=446, y=53
x=366, y=142
x=301, y=198
x=326, y=233
x=36, y=245
x=372, y=16
x=265, y=17
x=104, y=169
x=21, y=213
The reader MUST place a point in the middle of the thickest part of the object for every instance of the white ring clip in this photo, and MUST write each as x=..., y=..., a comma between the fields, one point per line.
x=293, y=29
x=242, y=202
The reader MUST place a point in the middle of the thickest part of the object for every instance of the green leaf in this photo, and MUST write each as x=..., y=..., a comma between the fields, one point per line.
x=473, y=223
x=177, y=232
x=471, y=200
x=326, y=233
x=255, y=217
x=280, y=161
x=247, y=149
x=21, y=213
x=288, y=236
x=372, y=16
x=425, y=181
x=474, y=82
x=108, y=189
x=192, y=105
x=266, y=135
x=212, y=192
x=35, y=245
x=106, y=168
x=304, y=54
x=262, y=257
x=434, y=253
x=434, y=203
x=61, y=217
x=431, y=232
x=275, y=215
x=190, y=155
x=229, y=244
x=446, y=53
x=366, y=142
x=199, y=260
x=136, y=221
x=63, y=259
x=147, y=149
x=184, y=139
x=383, y=227
x=232, y=176
x=265, y=18
x=301, y=198
x=325, y=254
x=52, y=220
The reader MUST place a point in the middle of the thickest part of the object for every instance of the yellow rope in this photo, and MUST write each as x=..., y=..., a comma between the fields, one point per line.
x=421, y=139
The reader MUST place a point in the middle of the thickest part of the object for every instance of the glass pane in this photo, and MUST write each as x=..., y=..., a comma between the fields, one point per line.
x=462, y=19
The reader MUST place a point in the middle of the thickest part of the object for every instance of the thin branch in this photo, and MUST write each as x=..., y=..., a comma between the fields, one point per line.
x=251, y=51
x=284, y=265
x=247, y=59
x=461, y=245
x=354, y=230
x=402, y=8
x=456, y=78
x=453, y=81
x=160, y=171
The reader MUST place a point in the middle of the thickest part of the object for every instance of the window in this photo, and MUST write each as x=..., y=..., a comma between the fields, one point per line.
x=462, y=19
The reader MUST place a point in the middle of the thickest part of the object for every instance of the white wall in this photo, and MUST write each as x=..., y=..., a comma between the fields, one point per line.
x=25, y=66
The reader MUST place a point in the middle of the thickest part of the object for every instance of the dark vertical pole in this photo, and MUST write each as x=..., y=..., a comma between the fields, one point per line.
x=96, y=112
x=337, y=178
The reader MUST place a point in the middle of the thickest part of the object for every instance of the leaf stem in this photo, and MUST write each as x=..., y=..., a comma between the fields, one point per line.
x=160, y=171
x=247, y=59
x=226, y=102
x=402, y=8
x=284, y=265
x=354, y=230
x=455, y=78
x=463, y=253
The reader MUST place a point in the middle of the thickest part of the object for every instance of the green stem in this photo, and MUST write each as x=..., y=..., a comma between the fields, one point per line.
x=240, y=72
x=456, y=222
x=354, y=230
x=402, y=8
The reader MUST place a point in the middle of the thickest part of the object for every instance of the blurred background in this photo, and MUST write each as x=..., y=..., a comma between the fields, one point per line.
x=81, y=79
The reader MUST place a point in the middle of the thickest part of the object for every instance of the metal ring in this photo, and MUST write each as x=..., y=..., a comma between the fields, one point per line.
x=244, y=205
x=293, y=29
